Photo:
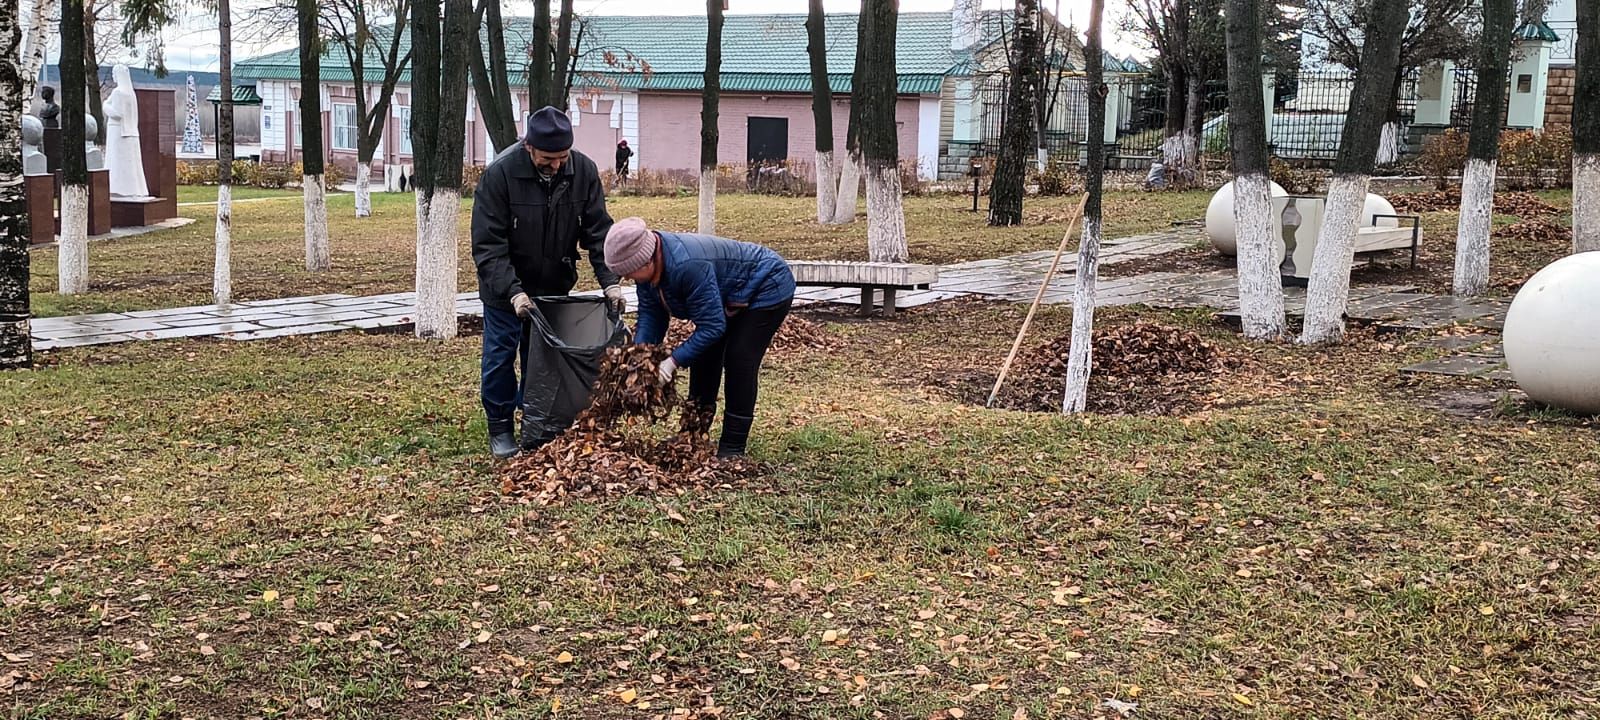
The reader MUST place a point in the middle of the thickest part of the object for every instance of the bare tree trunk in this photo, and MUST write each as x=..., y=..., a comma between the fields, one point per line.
x=709, y=95
x=1483, y=151
x=1329, y=290
x=311, y=154
x=439, y=194
x=540, y=91
x=1586, y=133
x=880, y=146
x=222, y=264
x=1260, y=287
x=1194, y=122
x=91, y=73
x=844, y=204
x=72, y=253
x=490, y=83
x=1080, y=356
x=16, y=341
x=40, y=30
x=821, y=110
x=1018, y=141
x=562, y=76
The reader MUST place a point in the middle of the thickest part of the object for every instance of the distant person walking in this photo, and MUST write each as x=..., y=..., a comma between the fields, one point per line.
x=623, y=154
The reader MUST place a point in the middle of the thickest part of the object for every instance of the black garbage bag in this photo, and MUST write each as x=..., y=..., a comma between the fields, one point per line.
x=568, y=336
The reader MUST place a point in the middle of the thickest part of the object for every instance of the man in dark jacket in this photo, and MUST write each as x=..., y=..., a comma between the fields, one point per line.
x=624, y=153
x=535, y=204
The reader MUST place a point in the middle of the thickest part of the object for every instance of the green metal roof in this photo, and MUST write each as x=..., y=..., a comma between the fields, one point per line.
x=1536, y=30
x=760, y=53
x=242, y=95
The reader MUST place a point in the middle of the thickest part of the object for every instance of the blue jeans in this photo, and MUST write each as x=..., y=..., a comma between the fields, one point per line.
x=505, y=339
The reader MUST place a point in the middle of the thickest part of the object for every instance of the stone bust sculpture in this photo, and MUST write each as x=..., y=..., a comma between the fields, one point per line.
x=51, y=114
x=124, y=157
x=33, y=159
x=93, y=158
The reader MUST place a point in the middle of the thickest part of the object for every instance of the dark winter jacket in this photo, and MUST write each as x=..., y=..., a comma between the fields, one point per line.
x=706, y=280
x=623, y=153
x=526, y=232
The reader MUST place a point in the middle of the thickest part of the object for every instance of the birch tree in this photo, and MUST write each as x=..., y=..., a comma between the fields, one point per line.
x=16, y=342
x=312, y=157
x=821, y=109
x=1586, y=133
x=1018, y=141
x=1483, y=150
x=880, y=145
x=1329, y=289
x=438, y=138
x=42, y=25
x=1260, y=288
x=1080, y=356
x=709, y=96
x=72, y=254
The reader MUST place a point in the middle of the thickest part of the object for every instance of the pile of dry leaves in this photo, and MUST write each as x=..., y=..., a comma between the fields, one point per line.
x=1142, y=368
x=796, y=333
x=1521, y=204
x=1543, y=232
x=610, y=450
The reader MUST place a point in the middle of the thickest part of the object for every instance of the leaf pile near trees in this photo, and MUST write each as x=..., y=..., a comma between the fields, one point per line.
x=1138, y=369
x=610, y=449
x=1521, y=204
x=796, y=334
x=1541, y=232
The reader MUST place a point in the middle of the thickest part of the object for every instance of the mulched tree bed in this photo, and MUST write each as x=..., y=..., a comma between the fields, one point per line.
x=1521, y=204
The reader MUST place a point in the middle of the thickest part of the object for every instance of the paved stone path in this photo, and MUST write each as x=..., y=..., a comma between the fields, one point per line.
x=1015, y=278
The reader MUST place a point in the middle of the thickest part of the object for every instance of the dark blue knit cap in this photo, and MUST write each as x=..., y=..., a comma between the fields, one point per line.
x=549, y=130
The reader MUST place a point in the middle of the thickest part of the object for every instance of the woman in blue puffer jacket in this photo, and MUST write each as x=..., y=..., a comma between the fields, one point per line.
x=737, y=295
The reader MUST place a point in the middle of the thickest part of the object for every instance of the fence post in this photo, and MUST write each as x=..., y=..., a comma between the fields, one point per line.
x=1436, y=92
x=1530, y=76
x=1269, y=91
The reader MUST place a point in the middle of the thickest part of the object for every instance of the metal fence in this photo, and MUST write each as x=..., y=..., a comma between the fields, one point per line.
x=1309, y=109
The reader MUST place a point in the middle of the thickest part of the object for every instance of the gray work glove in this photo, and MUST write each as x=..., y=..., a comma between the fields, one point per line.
x=523, y=305
x=615, y=299
x=667, y=369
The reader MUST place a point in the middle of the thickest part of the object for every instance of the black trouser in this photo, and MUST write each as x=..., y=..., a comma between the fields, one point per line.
x=739, y=353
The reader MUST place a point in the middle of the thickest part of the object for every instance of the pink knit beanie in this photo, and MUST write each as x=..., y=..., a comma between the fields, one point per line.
x=629, y=245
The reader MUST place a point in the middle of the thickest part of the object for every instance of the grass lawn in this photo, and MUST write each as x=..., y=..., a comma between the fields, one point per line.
x=377, y=254
x=208, y=194
x=308, y=528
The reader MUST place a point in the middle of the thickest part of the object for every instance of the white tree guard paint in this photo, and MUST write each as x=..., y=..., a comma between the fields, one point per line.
x=708, y=201
x=72, y=255
x=1080, y=357
x=1260, y=285
x=1389, y=144
x=222, y=265
x=316, y=202
x=422, y=213
x=1178, y=154
x=363, y=189
x=844, y=205
x=827, y=191
x=1329, y=289
x=1472, y=230
x=437, y=265
x=886, y=218
x=1585, y=202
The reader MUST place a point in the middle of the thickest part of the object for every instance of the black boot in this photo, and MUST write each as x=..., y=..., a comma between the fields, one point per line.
x=735, y=434
x=536, y=434
x=503, y=439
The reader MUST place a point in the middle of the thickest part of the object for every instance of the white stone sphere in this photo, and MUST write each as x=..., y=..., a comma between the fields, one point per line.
x=1552, y=334
x=1376, y=205
x=1219, y=217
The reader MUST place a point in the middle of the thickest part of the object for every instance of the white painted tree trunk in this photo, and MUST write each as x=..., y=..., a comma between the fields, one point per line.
x=708, y=201
x=316, y=202
x=844, y=208
x=886, y=217
x=827, y=191
x=222, y=267
x=40, y=30
x=1260, y=284
x=1328, y=292
x=1080, y=356
x=422, y=214
x=1179, y=154
x=363, y=189
x=437, y=266
x=1472, y=230
x=1389, y=144
x=72, y=253
x=1585, y=202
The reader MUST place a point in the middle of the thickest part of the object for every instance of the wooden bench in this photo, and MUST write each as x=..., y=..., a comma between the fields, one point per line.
x=869, y=276
x=1377, y=237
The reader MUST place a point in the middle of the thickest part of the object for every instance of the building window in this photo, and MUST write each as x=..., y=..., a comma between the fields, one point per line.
x=344, y=127
x=405, y=131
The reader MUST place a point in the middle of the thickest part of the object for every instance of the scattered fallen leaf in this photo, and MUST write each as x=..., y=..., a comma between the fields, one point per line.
x=1242, y=699
x=269, y=596
x=628, y=696
x=564, y=658
x=789, y=663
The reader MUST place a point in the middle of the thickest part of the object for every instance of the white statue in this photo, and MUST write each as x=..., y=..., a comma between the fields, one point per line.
x=33, y=160
x=123, y=157
x=93, y=159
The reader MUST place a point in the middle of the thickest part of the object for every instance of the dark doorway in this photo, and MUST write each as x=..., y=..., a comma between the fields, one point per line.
x=767, y=140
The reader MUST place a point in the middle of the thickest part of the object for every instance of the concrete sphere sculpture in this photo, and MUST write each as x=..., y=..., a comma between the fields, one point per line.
x=1219, y=218
x=1376, y=205
x=1552, y=334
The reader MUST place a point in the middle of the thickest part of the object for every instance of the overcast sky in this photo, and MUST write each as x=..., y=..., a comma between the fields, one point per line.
x=193, y=45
